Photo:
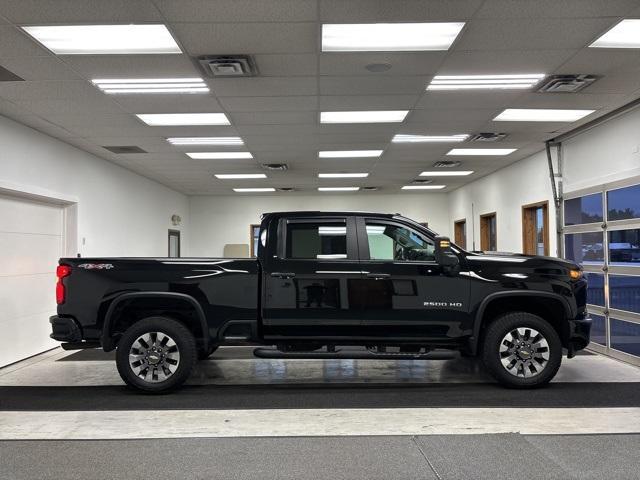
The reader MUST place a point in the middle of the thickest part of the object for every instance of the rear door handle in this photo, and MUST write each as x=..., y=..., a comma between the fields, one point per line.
x=283, y=275
x=378, y=276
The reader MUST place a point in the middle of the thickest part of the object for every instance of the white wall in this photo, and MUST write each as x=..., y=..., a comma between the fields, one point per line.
x=505, y=192
x=220, y=220
x=119, y=212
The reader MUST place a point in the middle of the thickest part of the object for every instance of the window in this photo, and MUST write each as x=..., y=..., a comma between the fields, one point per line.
x=254, y=239
x=317, y=240
x=174, y=243
x=584, y=248
x=599, y=329
x=624, y=292
x=623, y=203
x=624, y=247
x=394, y=242
x=625, y=336
x=460, y=233
x=587, y=209
x=488, y=233
x=595, y=288
x=535, y=229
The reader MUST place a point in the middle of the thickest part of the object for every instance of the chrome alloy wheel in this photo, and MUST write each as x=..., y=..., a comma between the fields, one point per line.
x=524, y=352
x=154, y=357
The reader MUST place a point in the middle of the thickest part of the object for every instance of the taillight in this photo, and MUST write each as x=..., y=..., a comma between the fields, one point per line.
x=61, y=293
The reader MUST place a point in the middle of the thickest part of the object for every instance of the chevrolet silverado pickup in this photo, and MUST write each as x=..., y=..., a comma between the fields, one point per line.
x=327, y=285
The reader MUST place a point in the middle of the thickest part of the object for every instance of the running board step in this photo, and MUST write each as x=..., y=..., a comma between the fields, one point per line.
x=355, y=355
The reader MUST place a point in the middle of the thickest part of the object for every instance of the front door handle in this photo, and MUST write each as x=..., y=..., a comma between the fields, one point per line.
x=283, y=275
x=378, y=276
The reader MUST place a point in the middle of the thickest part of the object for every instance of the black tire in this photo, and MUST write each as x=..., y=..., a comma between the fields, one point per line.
x=523, y=360
x=203, y=355
x=179, y=335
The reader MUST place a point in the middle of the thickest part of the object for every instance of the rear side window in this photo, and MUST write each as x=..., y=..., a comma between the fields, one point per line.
x=318, y=241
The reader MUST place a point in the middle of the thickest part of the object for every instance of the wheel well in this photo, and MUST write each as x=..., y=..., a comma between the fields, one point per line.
x=130, y=311
x=550, y=309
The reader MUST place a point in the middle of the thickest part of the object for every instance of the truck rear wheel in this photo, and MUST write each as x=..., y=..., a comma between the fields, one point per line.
x=521, y=350
x=156, y=354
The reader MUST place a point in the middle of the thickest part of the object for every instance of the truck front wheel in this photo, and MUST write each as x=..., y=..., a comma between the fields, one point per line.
x=156, y=354
x=521, y=350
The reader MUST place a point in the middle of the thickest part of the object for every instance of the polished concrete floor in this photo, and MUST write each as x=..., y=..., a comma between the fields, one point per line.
x=243, y=417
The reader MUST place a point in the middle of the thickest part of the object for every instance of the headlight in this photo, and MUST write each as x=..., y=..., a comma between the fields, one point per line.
x=575, y=274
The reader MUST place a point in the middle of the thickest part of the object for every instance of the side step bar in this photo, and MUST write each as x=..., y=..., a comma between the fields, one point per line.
x=355, y=355
x=80, y=345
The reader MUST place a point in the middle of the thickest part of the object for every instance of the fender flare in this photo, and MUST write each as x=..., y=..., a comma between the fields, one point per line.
x=106, y=338
x=475, y=338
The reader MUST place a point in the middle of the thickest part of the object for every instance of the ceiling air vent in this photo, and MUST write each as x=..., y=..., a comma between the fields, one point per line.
x=370, y=189
x=7, y=76
x=228, y=65
x=422, y=181
x=125, y=149
x=275, y=166
x=488, y=137
x=566, y=83
x=285, y=189
x=447, y=164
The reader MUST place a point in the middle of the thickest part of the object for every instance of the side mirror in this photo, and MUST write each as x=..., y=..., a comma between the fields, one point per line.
x=445, y=257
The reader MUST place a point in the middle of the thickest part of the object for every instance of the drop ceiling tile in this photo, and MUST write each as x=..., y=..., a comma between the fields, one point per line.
x=39, y=68
x=194, y=131
x=269, y=104
x=79, y=11
x=43, y=126
x=616, y=83
x=238, y=10
x=109, y=130
x=132, y=66
x=10, y=109
x=361, y=11
x=527, y=34
x=568, y=100
x=302, y=64
x=264, y=86
x=555, y=8
x=371, y=85
x=15, y=43
x=441, y=116
x=602, y=61
x=54, y=90
x=168, y=103
x=367, y=102
x=402, y=63
x=94, y=120
x=150, y=144
x=46, y=107
x=277, y=118
x=467, y=99
x=489, y=62
x=247, y=38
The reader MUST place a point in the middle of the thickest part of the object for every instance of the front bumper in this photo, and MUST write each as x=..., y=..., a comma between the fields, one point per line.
x=65, y=329
x=579, y=333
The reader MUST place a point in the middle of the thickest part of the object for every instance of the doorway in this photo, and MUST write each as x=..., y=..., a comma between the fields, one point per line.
x=488, y=232
x=535, y=229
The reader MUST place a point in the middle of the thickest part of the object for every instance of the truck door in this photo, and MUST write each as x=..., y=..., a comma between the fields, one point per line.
x=308, y=281
x=405, y=292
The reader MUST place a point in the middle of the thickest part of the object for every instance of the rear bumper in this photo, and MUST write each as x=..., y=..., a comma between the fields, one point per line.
x=579, y=333
x=65, y=329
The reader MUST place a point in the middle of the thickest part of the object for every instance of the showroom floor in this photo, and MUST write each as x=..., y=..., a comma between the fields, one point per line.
x=242, y=417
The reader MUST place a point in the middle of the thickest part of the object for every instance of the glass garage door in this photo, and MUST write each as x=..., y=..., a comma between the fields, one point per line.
x=602, y=233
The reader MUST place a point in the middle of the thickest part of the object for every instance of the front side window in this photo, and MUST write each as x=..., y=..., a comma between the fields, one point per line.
x=393, y=242
x=318, y=241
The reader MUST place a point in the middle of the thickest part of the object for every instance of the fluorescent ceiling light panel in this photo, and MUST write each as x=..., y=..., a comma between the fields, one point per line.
x=625, y=34
x=458, y=173
x=349, y=153
x=481, y=151
x=237, y=176
x=401, y=138
x=373, y=116
x=423, y=187
x=104, y=39
x=151, y=85
x=219, y=155
x=163, y=119
x=205, y=141
x=254, y=190
x=541, y=115
x=389, y=37
x=338, y=189
x=343, y=175
x=476, y=82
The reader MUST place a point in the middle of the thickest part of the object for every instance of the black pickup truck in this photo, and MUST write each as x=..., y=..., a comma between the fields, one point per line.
x=325, y=285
